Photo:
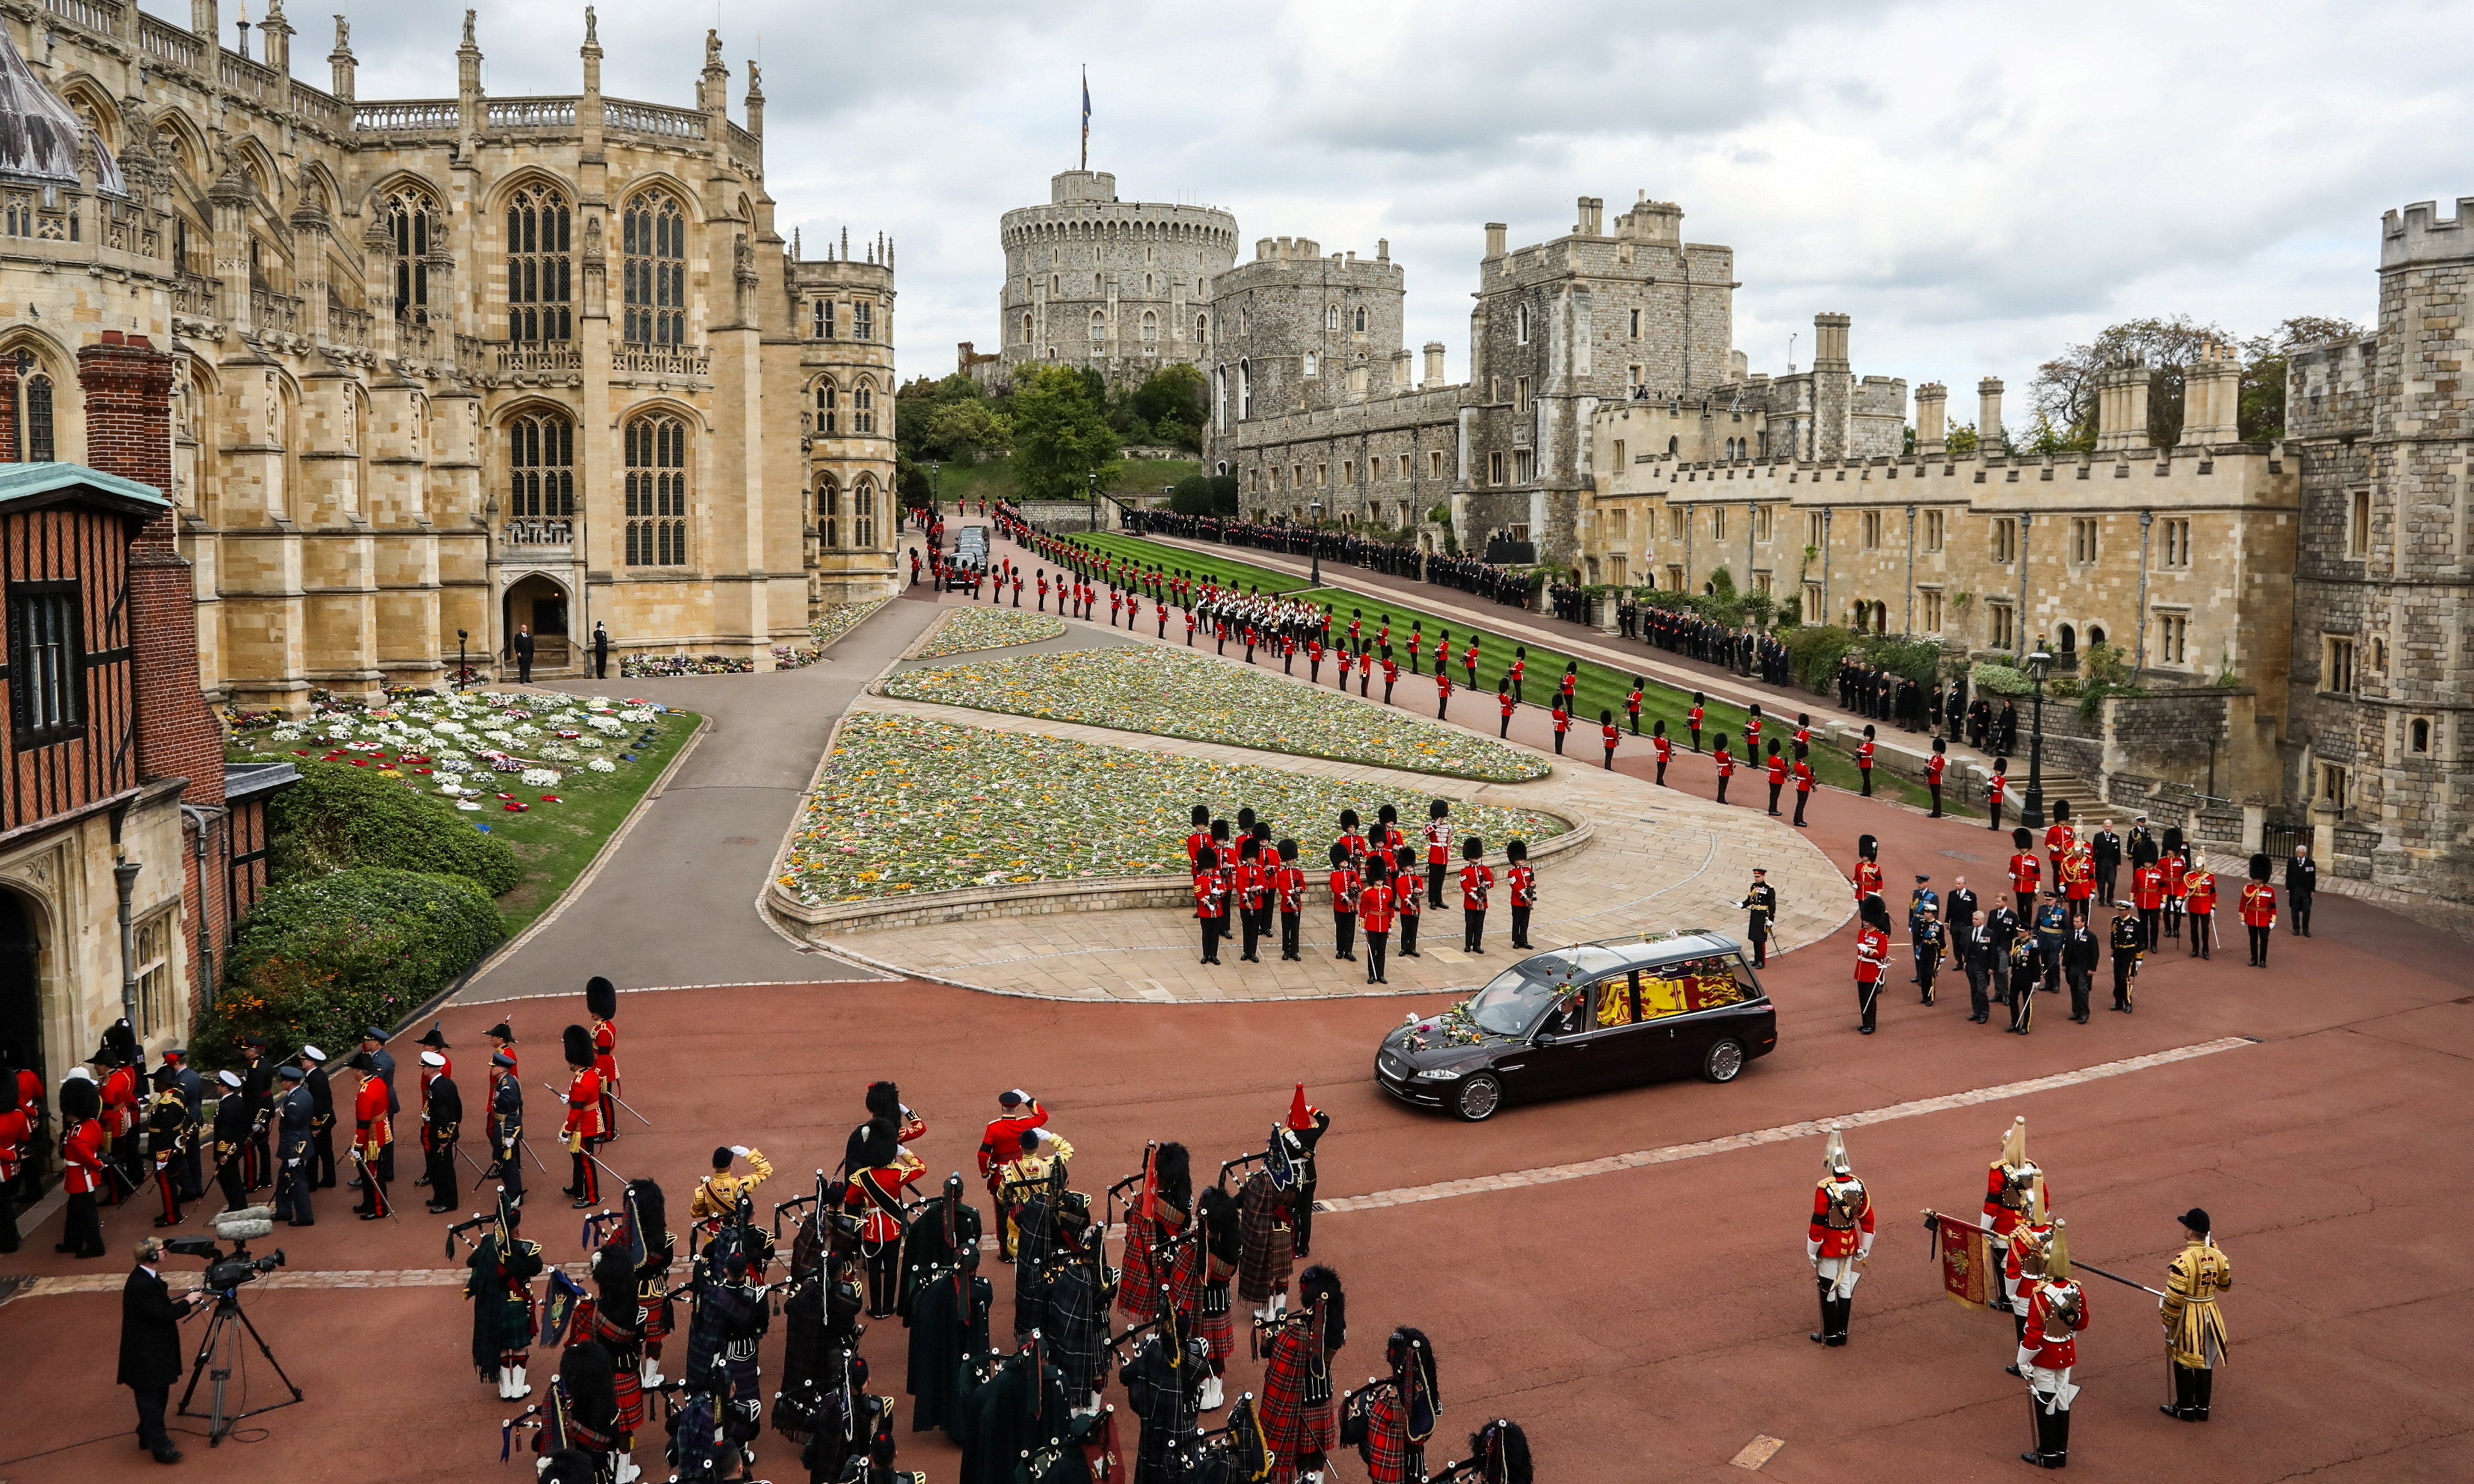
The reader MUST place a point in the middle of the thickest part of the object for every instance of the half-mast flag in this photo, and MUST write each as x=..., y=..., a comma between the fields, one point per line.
x=1087, y=118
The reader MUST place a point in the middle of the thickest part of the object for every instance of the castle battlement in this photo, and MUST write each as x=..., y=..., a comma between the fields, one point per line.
x=2418, y=234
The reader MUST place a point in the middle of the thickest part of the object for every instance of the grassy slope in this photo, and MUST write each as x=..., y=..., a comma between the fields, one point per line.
x=1601, y=686
x=556, y=842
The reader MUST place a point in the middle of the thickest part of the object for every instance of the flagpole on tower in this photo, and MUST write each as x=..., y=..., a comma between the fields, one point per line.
x=1086, y=116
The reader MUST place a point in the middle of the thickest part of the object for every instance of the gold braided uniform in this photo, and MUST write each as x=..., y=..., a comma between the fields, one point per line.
x=717, y=1195
x=2195, y=1332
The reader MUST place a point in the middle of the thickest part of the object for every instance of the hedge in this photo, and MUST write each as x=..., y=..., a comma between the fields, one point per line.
x=343, y=818
x=318, y=960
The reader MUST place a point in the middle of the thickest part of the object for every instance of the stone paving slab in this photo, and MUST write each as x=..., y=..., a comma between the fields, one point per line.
x=1658, y=859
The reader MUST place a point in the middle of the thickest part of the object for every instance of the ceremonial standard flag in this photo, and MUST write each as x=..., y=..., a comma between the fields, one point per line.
x=1087, y=118
x=1966, y=1272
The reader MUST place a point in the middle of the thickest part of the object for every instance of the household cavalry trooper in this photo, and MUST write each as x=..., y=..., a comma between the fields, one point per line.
x=2026, y=1264
x=2010, y=1184
x=2194, y=1332
x=1839, y=1241
x=2057, y=1310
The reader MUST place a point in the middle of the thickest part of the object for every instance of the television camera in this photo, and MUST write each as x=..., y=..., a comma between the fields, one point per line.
x=240, y=1228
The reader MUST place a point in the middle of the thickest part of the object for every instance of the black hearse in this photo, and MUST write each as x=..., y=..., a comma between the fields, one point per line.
x=1585, y=1019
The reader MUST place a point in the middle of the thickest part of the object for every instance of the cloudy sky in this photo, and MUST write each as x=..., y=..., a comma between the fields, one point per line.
x=1977, y=184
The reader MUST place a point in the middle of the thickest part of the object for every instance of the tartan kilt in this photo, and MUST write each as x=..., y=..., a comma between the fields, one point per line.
x=1265, y=1254
x=1218, y=1333
x=619, y=1340
x=1292, y=1428
x=583, y=1322
x=660, y=1317
x=1184, y=1278
x=630, y=1388
x=1387, y=1445
x=1138, y=1280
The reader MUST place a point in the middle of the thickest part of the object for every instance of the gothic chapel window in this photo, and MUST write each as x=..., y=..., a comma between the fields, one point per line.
x=539, y=267
x=656, y=492
x=412, y=228
x=540, y=468
x=653, y=238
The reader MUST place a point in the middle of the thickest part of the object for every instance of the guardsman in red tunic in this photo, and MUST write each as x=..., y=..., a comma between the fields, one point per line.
x=371, y=1136
x=1391, y=674
x=1753, y=730
x=2078, y=875
x=1692, y=719
x=1442, y=690
x=2259, y=909
x=1804, y=783
x=1197, y=837
x=1839, y=1239
x=1864, y=761
x=1468, y=660
x=2059, y=836
x=1504, y=706
x=1663, y=745
x=1563, y=724
x=1252, y=885
x=1344, y=884
x=1934, y=766
x=1210, y=902
x=1407, y=905
x=2026, y=873
x=1872, y=958
x=1289, y=892
x=1570, y=683
x=1043, y=593
x=1777, y=774
x=1159, y=610
x=2057, y=1310
x=1632, y=705
x=1868, y=869
x=1521, y=882
x=1520, y=668
x=1607, y=735
x=2176, y=863
x=1374, y=912
x=1439, y=850
x=1314, y=661
x=1417, y=637
x=1477, y=882
x=601, y=1000
x=82, y=1172
x=122, y=1112
x=2199, y=900
x=1995, y=788
x=1365, y=673
x=1720, y=757
x=583, y=1129
x=2147, y=895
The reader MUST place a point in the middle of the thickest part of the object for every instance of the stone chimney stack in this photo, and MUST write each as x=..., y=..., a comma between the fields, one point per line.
x=1592, y=218
x=1401, y=363
x=2212, y=400
x=1988, y=417
x=1932, y=419
x=1434, y=364
x=1495, y=231
x=341, y=63
x=1829, y=342
x=2121, y=407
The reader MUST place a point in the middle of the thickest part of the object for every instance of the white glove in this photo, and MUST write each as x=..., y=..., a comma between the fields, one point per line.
x=1864, y=1249
x=1812, y=1249
x=739, y=1150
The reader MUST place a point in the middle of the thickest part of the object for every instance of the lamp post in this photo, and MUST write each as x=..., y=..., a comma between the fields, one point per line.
x=2031, y=814
x=1314, y=541
x=460, y=636
x=936, y=483
x=1094, y=478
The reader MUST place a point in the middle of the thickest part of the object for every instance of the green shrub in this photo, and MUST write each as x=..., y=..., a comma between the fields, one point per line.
x=339, y=818
x=321, y=959
x=1916, y=659
x=2000, y=679
x=1814, y=650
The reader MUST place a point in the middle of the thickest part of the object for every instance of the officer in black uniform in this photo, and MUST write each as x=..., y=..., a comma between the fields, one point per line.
x=1760, y=906
x=2079, y=965
x=322, y=1117
x=443, y=1117
x=2301, y=880
x=296, y=1154
x=1976, y=955
x=507, y=1123
x=232, y=1139
x=2129, y=940
x=1923, y=899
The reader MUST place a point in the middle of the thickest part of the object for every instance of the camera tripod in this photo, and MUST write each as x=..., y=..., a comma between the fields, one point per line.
x=217, y=1354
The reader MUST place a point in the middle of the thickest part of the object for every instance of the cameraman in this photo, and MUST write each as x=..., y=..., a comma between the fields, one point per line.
x=150, y=1345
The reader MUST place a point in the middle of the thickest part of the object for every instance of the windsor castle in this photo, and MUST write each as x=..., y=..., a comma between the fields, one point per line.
x=2293, y=611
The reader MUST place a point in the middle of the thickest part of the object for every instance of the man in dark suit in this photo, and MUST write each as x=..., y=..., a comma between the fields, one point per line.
x=150, y=1347
x=525, y=654
x=601, y=651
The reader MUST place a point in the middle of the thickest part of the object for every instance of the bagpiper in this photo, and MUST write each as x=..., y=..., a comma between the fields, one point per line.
x=2057, y=1310
x=1839, y=1240
x=2195, y=1332
x=1392, y=1417
x=501, y=1271
x=1298, y=1426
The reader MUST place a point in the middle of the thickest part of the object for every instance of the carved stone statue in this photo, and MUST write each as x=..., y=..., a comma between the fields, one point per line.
x=468, y=29
x=591, y=28
x=712, y=48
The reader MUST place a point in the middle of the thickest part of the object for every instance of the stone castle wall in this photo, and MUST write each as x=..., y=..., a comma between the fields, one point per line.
x=1121, y=287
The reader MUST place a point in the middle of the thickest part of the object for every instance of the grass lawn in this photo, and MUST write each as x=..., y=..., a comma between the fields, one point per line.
x=1602, y=687
x=556, y=843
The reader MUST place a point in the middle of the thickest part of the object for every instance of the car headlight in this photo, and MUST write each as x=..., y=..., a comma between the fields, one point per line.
x=1443, y=1073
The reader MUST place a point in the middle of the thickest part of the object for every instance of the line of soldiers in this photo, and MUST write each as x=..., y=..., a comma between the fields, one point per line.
x=2015, y=1254
x=1373, y=885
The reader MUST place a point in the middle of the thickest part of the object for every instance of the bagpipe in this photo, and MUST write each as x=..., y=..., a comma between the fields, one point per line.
x=1234, y=1453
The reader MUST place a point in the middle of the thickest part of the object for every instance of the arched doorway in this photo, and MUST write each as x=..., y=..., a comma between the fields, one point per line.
x=2067, y=635
x=1880, y=616
x=21, y=1004
x=539, y=604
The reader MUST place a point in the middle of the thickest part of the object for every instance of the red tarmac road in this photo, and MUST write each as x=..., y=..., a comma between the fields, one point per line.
x=1644, y=1325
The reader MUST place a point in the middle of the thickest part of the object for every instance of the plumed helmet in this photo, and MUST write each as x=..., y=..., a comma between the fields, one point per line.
x=1173, y=1169
x=1319, y=1289
x=883, y=1100
x=435, y=1035
x=2021, y=838
x=1518, y=849
x=1472, y=848
x=1437, y=808
x=1833, y=1154
x=119, y=1047
x=2258, y=866
x=652, y=1211
x=502, y=1031
x=600, y=997
x=79, y=1100
x=1867, y=847
x=578, y=1042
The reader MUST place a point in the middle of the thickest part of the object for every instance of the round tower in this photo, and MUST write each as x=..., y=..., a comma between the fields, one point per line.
x=1121, y=287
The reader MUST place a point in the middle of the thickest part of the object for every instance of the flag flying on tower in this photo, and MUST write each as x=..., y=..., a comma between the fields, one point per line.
x=1087, y=118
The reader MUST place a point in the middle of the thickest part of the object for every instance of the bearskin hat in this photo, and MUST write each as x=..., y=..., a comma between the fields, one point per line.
x=883, y=1100
x=1518, y=849
x=1698, y=699
x=2172, y=838
x=873, y=1146
x=1339, y=853
x=1219, y=830
x=1720, y=742
x=1208, y=859
x=1875, y=914
x=1319, y=1289
x=1246, y=819
x=1867, y=847
x=1387, y=815
x=1437, y=808
x=1348, y=818
x=1249, y=849
x=2061, y=811
x=1472, y=848
x=1288, y=849
x=650, y=1209
x=1202, y=815
x=1409, y=1350
x=1173, y=1168
x=579, y=1045
x=80, y=1099
x=2021, y=838
x=600, y=997
x=2258, y=866
x=1219, y=1212
x=586, y=1371
x=1940, y=745
x=1501, y=1450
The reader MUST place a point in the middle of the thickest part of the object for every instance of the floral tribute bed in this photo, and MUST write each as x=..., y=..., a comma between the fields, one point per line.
x=910, y=804
x=834, y=622
x=990, y=628
x=1170, y=693
x=477, y=747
